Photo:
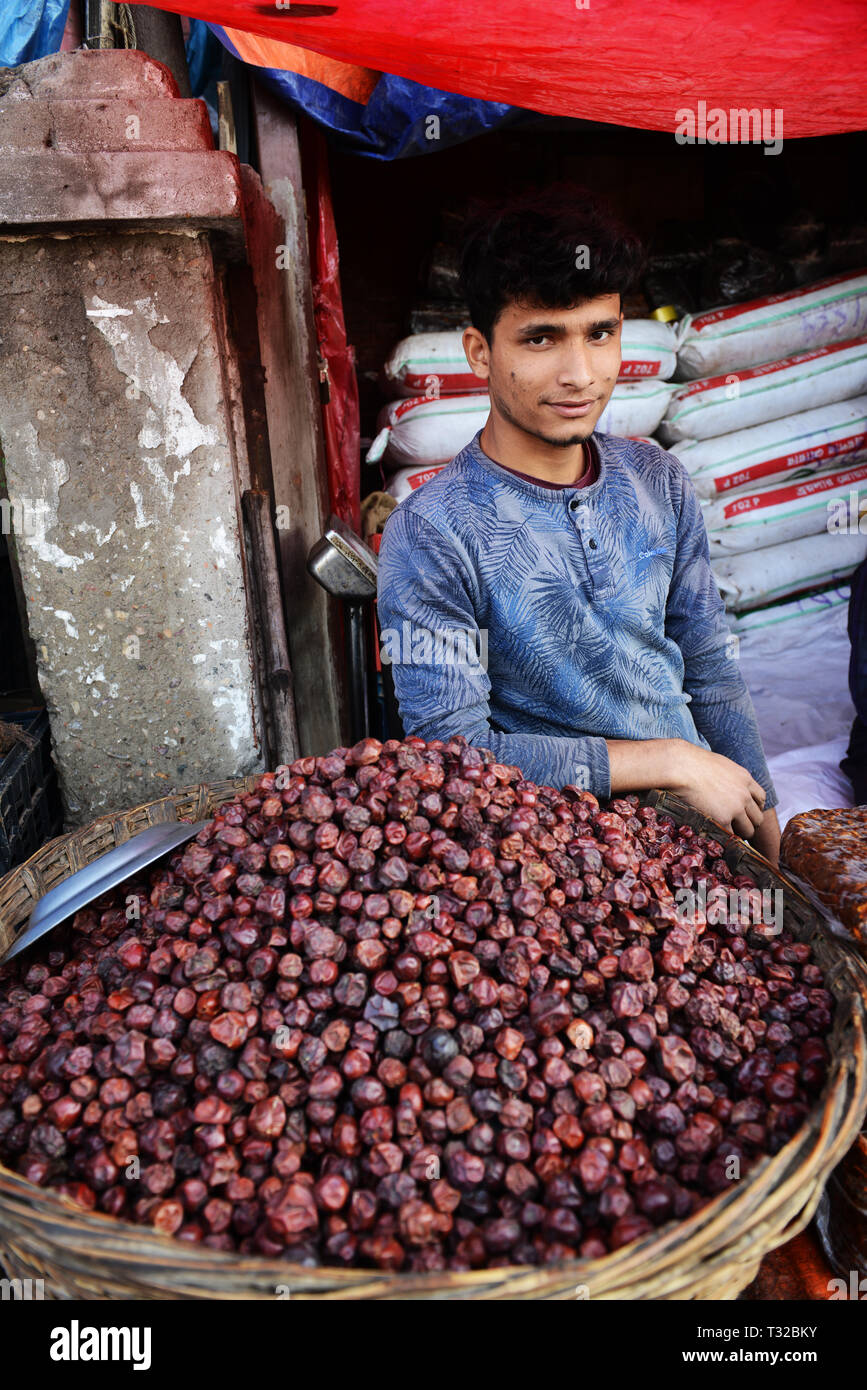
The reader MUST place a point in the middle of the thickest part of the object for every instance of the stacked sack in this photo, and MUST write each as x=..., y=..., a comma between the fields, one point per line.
x=771, y=424
x=437, y=406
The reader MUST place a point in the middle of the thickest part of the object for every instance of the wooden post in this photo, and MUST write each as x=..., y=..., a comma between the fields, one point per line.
x=159, y=34
x=278, y=254
x=277, y=669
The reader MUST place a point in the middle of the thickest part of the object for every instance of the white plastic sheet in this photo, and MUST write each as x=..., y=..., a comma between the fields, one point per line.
x=809, y=779
x=795, y=661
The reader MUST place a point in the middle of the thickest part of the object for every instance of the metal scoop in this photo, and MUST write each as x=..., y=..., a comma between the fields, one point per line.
x=346, y=567
x=107, y=871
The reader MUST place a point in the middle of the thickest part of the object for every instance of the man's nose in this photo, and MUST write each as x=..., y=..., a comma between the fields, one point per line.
x=576, y=367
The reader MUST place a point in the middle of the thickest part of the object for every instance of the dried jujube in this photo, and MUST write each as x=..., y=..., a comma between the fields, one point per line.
x=401, y=1007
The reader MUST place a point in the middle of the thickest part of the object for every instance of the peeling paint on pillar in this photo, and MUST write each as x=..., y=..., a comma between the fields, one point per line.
x=116, y=439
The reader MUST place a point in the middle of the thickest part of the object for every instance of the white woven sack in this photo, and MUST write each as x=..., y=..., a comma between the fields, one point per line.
x=774, y=571
x=763, y=330
x=635, y=408
x=797, y=445
x=408, y=479
x=420, y=431
x=721, y=404
x=429, y=364
x=786, y=511
x=648, y=349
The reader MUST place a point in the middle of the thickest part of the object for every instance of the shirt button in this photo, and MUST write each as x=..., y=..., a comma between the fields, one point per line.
x=592, y=545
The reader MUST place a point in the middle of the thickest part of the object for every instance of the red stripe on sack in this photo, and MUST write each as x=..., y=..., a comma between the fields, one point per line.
x=643, y=369
x=787, y=461
x=416, y=479
x=759, y=501
x=404, y=407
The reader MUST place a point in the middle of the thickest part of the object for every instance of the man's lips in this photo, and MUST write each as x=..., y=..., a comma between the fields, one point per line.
x=571, y=409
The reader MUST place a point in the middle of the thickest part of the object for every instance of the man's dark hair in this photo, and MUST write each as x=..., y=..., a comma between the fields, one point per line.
x=525, y=251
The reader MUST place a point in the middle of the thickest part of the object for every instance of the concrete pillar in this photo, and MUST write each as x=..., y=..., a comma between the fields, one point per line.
x=123, y=459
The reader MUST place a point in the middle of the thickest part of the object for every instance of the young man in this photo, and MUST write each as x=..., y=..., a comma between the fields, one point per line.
x=576, y=560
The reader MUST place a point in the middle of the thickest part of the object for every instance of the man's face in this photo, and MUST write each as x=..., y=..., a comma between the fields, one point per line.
x=550, y=372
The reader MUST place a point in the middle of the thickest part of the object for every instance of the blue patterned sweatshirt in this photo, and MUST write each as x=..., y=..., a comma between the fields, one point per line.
x=539, y=623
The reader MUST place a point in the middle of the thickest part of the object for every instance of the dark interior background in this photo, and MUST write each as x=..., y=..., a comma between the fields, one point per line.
x=390, y=215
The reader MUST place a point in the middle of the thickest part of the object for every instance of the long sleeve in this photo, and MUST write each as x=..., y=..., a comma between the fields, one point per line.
x=429, y=631
x=721, y=706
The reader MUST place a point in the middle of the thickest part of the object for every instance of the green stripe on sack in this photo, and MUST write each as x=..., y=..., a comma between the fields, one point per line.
x=434, y=414
x=745, y=626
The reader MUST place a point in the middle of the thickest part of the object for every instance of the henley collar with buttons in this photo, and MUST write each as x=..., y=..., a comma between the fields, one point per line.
x=590, y=474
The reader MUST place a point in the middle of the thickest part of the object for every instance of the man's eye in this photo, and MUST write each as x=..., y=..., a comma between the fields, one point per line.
x=600, y=334
x=539, y=340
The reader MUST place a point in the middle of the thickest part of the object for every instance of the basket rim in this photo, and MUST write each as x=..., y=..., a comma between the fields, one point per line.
x=838, y=1110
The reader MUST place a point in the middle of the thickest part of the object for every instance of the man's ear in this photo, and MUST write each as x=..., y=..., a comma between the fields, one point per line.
x=477, y=352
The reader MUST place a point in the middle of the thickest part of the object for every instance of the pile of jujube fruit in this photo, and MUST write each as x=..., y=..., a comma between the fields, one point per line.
x=401, y=1008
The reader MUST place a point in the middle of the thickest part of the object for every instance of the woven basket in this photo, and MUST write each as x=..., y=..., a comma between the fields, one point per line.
x=712, y=1255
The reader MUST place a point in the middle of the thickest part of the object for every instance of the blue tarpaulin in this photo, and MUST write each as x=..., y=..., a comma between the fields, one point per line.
x=393, y=118
x=30, y=29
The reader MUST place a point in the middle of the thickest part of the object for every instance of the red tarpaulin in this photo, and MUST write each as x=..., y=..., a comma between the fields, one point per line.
x=624, y=62
x=340, y=417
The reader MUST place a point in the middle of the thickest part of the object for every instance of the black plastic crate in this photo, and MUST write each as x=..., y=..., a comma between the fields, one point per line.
x=30, y=806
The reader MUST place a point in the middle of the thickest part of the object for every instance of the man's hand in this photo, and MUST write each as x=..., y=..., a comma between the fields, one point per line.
x=712, y=783
x=719, y=788
x=767, y=838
